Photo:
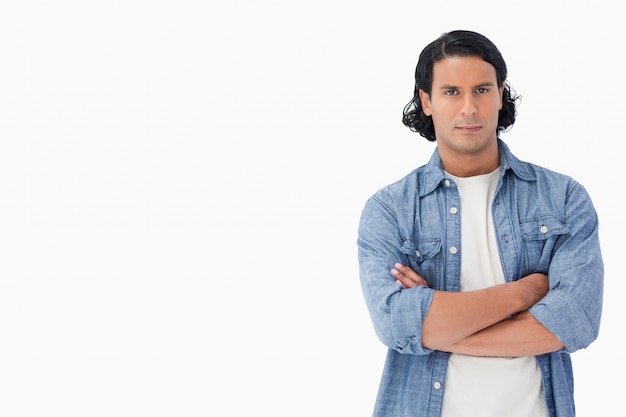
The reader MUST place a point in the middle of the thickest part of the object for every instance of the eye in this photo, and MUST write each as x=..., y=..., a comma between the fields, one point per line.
x=482, y=90
x=450, y=92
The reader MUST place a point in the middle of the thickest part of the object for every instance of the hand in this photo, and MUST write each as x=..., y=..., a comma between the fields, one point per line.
x=406, y=277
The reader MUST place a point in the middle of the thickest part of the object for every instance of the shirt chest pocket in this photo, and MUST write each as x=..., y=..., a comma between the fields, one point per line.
x=539, y=235
x=425, y=258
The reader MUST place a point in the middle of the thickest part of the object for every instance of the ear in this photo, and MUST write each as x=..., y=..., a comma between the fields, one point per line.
x=501, y=93
x=425, y=102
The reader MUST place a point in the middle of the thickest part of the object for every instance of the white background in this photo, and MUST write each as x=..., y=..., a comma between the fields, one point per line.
x=181, y=182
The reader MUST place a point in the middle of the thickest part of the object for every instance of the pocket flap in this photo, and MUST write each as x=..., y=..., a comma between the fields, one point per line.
x=542, y=228
x=424, y=249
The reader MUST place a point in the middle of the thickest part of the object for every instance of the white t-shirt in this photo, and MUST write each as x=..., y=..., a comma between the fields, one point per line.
x=485, y=386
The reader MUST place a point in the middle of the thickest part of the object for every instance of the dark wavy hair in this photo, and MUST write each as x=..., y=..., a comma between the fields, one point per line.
x=458, y=43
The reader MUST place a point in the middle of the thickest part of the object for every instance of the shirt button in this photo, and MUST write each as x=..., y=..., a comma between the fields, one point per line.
x=417, y=253
x=453, y=250
x=437, y=385
x=543, y=229
x=454, y=210
x=447, y=183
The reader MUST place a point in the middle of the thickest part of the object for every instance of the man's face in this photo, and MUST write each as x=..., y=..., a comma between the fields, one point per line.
x=464, y=103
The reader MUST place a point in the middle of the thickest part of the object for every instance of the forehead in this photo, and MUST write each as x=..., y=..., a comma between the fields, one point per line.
x=463, y=70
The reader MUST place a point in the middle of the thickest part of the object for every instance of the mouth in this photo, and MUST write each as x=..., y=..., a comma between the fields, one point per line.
x=468, y=128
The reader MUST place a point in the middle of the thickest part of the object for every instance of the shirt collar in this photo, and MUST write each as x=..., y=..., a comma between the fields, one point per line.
x=434, y=175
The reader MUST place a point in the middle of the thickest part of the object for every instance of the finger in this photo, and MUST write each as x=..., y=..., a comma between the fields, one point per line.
x=408, y=281
x=401, y=275
x=408, y=272
x=404, y=269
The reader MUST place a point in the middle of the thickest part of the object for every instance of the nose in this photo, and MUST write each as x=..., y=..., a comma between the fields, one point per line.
x=469, y=106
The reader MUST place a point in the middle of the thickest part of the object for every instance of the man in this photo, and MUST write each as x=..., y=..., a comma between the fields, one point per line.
x=481, y=273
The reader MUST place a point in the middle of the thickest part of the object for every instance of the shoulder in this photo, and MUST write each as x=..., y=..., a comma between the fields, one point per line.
x=547, y=189
x=533, y=173
x=403, y=188
x=543, y=174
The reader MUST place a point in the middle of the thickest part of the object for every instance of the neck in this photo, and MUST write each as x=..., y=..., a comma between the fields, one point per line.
x=469, y=168
x=470, y=164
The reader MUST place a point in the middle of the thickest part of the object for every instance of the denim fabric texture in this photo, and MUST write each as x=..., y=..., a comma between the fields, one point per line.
x=544, y=221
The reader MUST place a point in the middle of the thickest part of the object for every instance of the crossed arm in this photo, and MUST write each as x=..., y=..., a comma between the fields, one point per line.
x=490, y=322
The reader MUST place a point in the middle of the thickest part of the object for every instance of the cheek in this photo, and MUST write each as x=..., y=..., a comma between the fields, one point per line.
x=441, y=114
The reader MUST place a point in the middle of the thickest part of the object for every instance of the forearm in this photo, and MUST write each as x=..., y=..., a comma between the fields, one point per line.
x=454, y=316
x=520, y=335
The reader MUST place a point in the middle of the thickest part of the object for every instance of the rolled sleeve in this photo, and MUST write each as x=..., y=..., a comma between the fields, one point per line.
x=397, y=313
x=572, y=308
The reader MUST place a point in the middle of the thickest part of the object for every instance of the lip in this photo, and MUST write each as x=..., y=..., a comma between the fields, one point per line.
x=469, y=128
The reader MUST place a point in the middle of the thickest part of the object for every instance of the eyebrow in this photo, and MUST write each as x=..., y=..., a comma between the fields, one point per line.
x=454, y=87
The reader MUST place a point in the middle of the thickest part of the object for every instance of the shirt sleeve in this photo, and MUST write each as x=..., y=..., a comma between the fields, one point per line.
x=573, y=307
x=397, y=313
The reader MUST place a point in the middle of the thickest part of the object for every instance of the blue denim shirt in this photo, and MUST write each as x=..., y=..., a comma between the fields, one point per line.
x=544, y=221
